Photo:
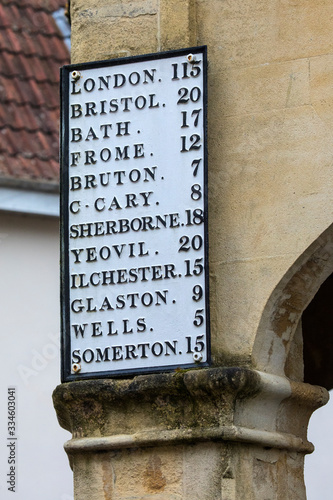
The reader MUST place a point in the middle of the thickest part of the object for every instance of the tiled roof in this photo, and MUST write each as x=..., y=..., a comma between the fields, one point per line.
x=31, y=52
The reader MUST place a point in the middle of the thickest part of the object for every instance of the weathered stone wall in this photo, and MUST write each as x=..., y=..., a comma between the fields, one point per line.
x=269, y=130
x=270, y=150
x=195, y=472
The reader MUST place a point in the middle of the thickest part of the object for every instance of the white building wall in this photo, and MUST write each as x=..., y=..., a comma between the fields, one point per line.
x=29, y=358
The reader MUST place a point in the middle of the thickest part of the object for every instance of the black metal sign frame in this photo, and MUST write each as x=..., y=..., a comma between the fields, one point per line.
x=181, y=73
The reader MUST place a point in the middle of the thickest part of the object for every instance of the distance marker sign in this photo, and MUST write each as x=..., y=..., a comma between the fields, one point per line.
x=134, y=215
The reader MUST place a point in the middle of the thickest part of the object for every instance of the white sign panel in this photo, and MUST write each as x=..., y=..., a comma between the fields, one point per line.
x=134, y=215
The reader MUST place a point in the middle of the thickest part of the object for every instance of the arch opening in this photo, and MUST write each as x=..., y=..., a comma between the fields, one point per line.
x=317, y=328
x=293, y=307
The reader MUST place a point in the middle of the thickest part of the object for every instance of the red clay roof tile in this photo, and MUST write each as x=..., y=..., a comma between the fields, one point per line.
x=31, y=52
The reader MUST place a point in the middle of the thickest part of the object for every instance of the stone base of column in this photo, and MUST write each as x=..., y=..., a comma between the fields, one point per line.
x=219, y=433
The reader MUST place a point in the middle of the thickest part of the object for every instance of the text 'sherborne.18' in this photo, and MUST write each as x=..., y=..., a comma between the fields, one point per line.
x=134, y=215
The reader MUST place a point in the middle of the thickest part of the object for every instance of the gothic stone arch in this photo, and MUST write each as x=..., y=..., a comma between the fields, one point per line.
x=279, y=335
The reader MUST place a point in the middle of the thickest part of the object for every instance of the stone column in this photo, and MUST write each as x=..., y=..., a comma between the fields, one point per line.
x=226, y=432
x=219, y=433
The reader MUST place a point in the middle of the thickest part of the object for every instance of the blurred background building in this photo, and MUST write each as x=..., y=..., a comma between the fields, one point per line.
x=32, y=48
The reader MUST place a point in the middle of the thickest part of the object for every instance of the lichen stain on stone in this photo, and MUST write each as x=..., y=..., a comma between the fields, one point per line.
x=154, y=481
x=108, y=480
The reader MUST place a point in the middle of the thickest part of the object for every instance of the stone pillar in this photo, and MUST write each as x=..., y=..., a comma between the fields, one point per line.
x=226, y=432
x=219, y=433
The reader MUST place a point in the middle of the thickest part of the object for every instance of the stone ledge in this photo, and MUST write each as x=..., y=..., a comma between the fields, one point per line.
x=217, y=404
x=266, y=439
x=194, y=398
